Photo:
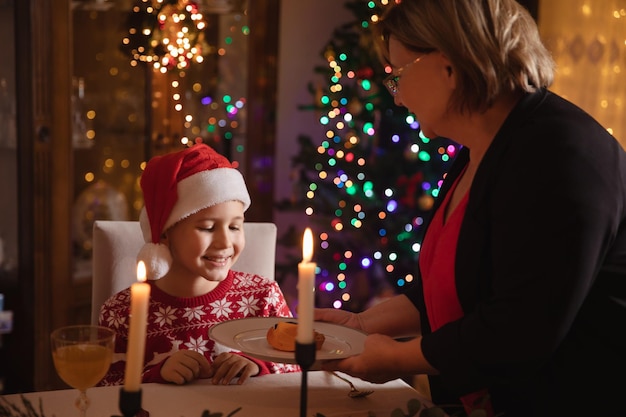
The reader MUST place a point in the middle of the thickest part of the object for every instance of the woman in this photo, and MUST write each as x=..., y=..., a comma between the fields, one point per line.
x=521, y=303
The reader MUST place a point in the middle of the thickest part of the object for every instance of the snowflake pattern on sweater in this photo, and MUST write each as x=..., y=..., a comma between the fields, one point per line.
x=183, y=323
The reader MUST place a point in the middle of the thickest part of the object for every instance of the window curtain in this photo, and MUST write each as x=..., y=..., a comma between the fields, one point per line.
x=588, y=41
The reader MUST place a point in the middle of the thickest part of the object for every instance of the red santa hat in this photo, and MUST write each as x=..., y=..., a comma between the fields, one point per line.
x=177, y=185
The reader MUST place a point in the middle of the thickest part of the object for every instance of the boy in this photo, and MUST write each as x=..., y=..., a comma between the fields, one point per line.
x=192, y=223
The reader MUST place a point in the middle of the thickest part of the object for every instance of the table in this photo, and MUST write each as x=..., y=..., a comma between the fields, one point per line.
x=276, y=395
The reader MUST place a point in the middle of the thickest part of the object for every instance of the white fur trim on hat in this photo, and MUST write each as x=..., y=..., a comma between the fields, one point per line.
x=205, y=189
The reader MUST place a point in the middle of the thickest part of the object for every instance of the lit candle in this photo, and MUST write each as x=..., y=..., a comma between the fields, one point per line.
x=306, y=290
x=139, y=297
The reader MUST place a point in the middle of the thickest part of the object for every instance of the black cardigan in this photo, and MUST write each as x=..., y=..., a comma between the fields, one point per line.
x=540, y=270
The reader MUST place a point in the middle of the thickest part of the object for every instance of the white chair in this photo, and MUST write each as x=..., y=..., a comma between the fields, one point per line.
x=116, y=244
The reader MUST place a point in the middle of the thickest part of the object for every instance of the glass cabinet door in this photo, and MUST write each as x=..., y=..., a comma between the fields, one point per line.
x=132, y=98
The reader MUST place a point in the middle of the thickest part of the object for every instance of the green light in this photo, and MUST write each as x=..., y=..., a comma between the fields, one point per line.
x=366, y=85
x=245, y=30
x=228, y=135
x=371, y=4
x=365, y=24
x=325, y=144
x=325, y=100
x=226, y=98
x=343, y=57
x=435, y=192
x=369, y=106
x=338, y=212
x=367, y=127
x=351, y=190
x=423, y=156
x=343, y=266
x=312, y=186
x=228, y=40
x=368, y=186
x=332, y=162
x=318, y=167
x=240, y=148
x=342, y=285
x=210, y=128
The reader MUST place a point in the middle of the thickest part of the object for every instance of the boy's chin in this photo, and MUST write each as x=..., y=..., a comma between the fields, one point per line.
x=216, y=277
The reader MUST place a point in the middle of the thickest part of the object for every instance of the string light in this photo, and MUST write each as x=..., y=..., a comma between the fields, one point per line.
x=167, y=35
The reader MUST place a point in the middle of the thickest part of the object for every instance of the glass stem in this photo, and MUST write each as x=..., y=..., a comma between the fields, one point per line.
x=82, y=403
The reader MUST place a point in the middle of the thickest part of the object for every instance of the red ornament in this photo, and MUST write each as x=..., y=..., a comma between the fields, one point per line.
x=364, y=73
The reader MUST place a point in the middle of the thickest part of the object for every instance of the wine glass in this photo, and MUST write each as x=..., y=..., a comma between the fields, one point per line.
x=82, y=355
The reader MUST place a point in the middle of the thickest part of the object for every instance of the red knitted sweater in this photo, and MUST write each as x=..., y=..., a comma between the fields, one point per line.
x=183, y=323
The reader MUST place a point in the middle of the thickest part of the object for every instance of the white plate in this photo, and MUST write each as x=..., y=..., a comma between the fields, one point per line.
x=249, y=336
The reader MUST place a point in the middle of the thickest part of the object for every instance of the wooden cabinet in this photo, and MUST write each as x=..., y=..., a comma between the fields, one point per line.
x=49, y=285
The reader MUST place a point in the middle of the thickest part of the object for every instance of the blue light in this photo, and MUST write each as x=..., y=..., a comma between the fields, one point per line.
x=392, y=205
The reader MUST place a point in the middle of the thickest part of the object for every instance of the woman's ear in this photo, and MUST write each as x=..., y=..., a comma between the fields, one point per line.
x=449, y=71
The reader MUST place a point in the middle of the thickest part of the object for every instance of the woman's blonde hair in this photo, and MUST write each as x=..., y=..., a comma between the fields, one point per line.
x=493, y=45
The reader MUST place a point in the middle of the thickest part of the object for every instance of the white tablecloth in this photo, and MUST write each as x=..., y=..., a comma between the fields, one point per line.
x=266, y=396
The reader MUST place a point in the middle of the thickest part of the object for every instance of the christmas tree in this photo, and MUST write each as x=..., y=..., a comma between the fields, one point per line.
x=369, y=183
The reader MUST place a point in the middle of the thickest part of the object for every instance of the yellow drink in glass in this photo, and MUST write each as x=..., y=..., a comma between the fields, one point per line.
x=82, y=355
x=82, y=366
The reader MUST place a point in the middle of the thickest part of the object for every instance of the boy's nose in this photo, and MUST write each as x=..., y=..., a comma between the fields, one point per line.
x=221, y=238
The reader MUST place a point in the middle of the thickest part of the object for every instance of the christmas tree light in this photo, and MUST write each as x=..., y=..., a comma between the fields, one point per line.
x=368, y=185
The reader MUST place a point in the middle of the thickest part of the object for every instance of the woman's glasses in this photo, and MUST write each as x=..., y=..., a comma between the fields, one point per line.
x=391, y=82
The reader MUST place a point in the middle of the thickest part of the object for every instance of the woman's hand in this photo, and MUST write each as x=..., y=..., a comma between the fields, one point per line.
x=333, y=315
x=395, y=317
x=227, y=366
x=185, y=366
x=384, y=359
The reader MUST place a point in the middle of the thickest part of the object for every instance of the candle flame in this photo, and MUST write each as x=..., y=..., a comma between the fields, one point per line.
x=141, y=271
x=307, y=245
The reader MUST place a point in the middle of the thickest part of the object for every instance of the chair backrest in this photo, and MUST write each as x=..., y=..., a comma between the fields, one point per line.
x=117, y=243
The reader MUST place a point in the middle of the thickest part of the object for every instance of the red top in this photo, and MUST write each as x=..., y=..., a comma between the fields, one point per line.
x=437, y=263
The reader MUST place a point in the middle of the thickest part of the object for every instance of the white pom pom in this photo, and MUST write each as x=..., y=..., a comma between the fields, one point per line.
x=157, y=258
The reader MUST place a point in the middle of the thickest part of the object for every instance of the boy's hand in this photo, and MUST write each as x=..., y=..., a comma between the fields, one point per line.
x=227, y=366
x=185, y=366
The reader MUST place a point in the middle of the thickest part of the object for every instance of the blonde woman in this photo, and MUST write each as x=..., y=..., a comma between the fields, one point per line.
x=520, y=308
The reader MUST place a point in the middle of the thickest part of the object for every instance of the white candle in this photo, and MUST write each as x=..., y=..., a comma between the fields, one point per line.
x=306, y=290
x=139, y=296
